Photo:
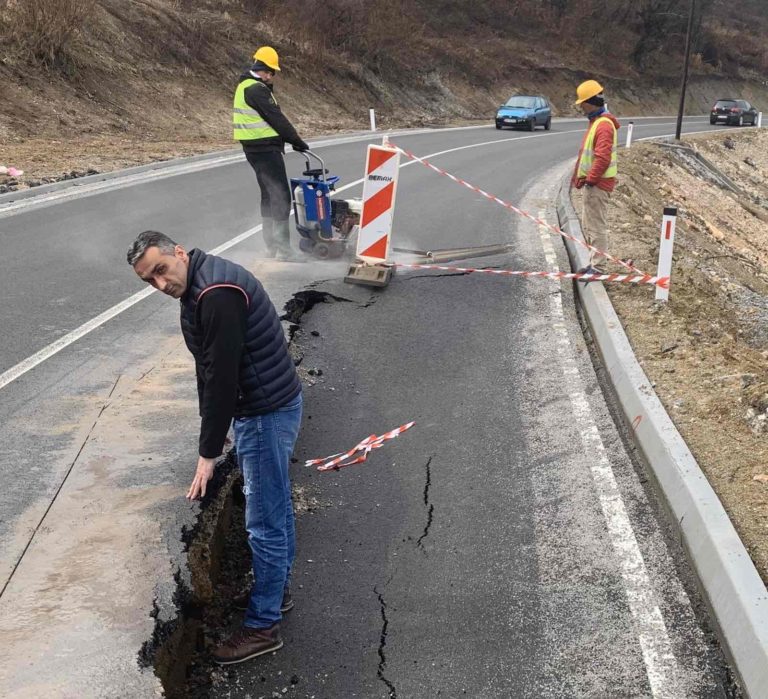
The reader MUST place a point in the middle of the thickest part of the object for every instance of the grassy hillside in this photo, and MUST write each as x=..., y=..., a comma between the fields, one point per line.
x=164, y=69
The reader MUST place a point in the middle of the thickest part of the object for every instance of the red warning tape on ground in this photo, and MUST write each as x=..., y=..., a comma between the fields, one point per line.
x=512, y=207
x=623, y=278
x=336, y=461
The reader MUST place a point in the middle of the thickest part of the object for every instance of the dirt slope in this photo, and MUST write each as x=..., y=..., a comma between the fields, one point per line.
x=98, y=84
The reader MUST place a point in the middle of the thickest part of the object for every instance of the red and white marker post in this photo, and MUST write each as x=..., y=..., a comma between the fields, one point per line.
x=666, y=246
x=382, y=168
x=630, y=129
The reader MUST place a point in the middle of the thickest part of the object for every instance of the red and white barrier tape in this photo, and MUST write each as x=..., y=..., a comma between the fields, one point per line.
x=663, y=282
x=512, y=207
x=336, y=461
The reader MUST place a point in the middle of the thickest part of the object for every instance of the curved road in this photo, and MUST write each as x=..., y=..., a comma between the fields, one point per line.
x=506, y=547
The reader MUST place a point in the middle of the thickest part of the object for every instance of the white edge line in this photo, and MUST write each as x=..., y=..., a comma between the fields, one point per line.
x=38, y=357
x=49, y=351
x=653, y=638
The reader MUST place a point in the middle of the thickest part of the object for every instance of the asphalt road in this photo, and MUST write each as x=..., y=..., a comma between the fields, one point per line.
x=518, y=586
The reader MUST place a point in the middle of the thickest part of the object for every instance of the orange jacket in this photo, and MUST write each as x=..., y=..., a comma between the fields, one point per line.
x=603, y=148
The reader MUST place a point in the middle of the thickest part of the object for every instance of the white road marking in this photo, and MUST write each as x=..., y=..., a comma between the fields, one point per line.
x=87, y=188
x=63, y=342
x=660, y=662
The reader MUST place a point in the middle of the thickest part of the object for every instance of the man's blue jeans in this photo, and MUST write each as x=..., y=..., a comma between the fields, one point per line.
x=264, y=445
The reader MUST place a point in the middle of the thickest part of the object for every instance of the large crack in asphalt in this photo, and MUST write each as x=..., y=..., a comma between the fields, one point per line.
x=303, y=302
x=218, y=563
x=383, y=645
x=430, y=507
x=174, y=640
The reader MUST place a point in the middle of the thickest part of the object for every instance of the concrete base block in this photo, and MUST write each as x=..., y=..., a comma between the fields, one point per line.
x=369, y=275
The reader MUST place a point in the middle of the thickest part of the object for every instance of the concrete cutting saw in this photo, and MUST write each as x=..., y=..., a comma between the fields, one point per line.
x=325, y=225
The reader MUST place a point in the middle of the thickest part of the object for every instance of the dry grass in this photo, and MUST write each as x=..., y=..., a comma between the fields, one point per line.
x=45, y=31
x=138, y=66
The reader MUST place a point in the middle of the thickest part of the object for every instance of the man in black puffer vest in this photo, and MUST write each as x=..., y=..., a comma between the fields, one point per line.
x=244, y=372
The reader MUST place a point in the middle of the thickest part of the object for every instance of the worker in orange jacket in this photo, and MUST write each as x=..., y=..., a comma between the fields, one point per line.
x=596, y=168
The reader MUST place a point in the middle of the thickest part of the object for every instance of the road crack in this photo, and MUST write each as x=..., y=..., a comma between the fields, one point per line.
x=107, y=402
x=383, y=644
x=430, y=507
x=303, y=302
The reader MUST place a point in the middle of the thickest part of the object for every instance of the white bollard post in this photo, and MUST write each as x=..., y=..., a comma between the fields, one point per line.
x=666, y=245
x=759, y=120
x=372, y=115
x=630, y=128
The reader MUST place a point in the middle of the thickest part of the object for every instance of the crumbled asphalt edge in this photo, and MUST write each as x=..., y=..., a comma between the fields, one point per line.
x=382, y=645
x=728, y=680
x=303, y=302
x=172, y=639
x=220, y=615
x=218, y=560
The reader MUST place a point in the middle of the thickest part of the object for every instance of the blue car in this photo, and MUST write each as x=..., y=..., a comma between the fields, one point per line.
x=525, y=112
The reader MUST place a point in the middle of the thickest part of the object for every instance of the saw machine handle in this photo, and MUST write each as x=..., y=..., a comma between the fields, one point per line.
x=309, y=171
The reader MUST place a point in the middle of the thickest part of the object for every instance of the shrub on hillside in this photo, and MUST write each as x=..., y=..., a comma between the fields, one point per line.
x=46, y=30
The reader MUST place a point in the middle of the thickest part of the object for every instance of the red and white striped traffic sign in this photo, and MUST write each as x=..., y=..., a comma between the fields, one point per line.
x=381, y=170
x=666, y=246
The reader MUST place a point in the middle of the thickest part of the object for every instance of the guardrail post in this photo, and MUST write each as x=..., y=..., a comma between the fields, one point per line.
x=666, y=245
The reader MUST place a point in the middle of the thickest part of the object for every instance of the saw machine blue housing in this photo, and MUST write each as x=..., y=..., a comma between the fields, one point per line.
x=324, y=224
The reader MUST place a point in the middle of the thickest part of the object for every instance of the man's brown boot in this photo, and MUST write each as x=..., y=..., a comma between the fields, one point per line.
x=247, y=643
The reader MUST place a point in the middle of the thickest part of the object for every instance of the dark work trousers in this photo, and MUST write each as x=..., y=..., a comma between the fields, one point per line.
x=273, y=182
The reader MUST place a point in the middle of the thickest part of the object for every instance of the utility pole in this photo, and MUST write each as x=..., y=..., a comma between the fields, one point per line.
x=685, y=71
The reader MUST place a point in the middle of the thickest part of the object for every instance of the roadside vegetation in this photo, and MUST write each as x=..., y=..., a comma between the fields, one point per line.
x=117, y=66
x=102, y=84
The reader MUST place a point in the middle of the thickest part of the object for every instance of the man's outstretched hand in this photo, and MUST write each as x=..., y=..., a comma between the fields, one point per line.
x=203, y=474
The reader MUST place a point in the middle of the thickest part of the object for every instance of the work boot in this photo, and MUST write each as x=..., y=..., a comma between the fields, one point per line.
x=247, y=643
x=268, y=231
x=589, y=269
x=286, y=605
x=283, y=241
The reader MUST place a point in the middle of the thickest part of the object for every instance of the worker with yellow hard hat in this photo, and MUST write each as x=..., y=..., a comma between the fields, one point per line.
x=596, y=168
x=262, y=129
x=268, y=56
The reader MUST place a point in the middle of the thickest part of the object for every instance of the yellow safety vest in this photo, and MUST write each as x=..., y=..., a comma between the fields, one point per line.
x=248, y=123
x=588, y=152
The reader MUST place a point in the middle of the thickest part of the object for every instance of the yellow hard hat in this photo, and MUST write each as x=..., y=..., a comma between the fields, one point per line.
x=268, y=56
x=587, y=90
